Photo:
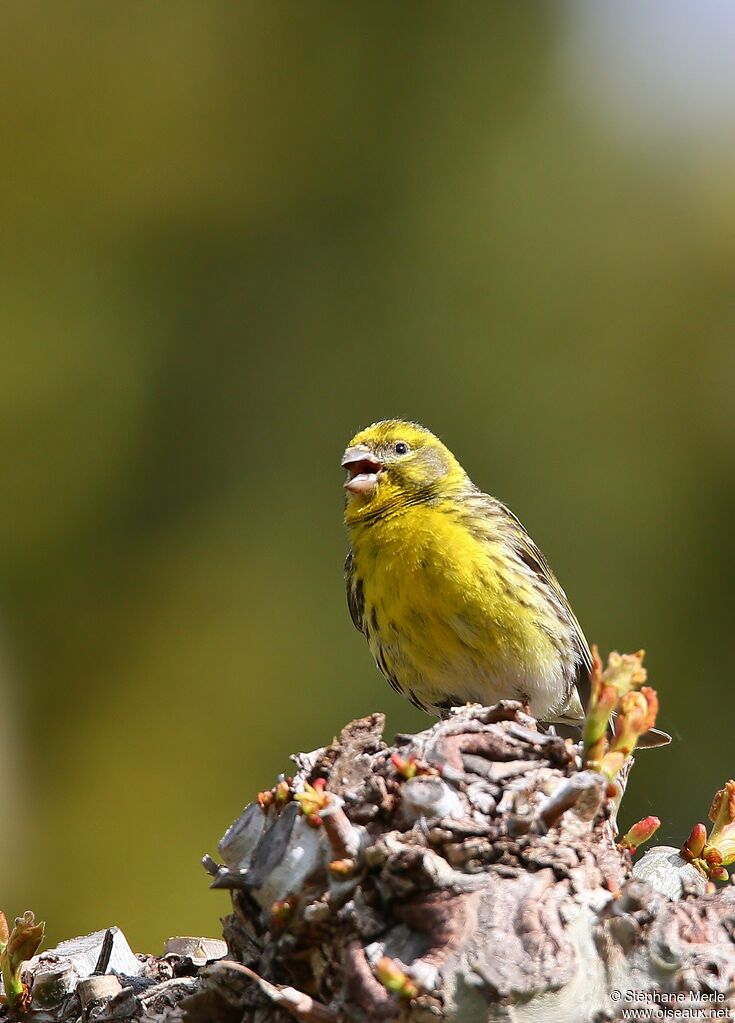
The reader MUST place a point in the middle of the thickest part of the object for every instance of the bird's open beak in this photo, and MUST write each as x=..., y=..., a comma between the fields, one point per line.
x=362, y=468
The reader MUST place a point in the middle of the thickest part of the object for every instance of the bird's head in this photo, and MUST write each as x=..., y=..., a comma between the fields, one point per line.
x=393, y=463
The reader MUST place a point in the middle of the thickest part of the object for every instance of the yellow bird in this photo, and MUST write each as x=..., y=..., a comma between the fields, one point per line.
x=456, y=601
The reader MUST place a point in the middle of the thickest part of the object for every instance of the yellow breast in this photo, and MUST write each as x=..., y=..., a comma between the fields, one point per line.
x=449, y=614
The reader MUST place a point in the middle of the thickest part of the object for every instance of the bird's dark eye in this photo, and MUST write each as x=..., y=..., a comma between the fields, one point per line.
x=401, y=448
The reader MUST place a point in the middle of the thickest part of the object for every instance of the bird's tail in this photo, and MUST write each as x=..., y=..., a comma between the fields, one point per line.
x=653, y=738
x=570, y=719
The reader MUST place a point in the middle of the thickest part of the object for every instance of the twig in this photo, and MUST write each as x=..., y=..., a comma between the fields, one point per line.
x=103, y=960
x=299, y=1004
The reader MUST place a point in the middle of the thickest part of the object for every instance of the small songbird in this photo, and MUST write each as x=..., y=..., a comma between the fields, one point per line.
x=456, y=601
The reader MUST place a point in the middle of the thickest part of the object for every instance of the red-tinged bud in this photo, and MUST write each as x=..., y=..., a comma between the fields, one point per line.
x=625, y=671
x=596, y=670
x=313, y=798
x=640, y=833
x=712, y=856
x=392, y=977
x=282, y=911
x=282, y=792
x=602, y=704
x=633, y=711
x=406, y=766
x=342, y=868
x=20, y=944
x=652, y=700
x=694, y=845
x=24, y=939
x=637, y=713
x=265, y=799
x=608, y=699
x=722, y=837
x=722, y=811
x=719, y=874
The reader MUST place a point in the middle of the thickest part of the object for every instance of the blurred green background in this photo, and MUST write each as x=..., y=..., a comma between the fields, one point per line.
x=232, y=235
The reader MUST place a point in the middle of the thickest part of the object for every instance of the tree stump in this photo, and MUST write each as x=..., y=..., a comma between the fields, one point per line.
x=469, y=872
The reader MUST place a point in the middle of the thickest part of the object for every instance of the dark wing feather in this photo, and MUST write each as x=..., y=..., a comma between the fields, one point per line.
x=535, y=560
x=509, y=525
x=530, y=554
x=355, y=595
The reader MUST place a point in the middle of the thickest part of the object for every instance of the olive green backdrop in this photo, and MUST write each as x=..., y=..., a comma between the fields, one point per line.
x=235, y=233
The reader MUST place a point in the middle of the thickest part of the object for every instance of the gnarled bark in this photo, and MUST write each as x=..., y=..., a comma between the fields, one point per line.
x=467, y=873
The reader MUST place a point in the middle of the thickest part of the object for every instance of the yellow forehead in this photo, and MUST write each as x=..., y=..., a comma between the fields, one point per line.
x=389, y=431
